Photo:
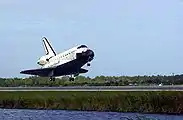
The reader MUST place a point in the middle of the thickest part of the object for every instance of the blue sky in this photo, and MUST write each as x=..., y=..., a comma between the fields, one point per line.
x=129, y=37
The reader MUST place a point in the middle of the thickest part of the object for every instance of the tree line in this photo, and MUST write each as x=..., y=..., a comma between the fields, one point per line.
x=97, y=81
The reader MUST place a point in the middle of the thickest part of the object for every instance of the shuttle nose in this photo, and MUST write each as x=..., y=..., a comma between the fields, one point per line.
x=87, y=55
x=90, y=54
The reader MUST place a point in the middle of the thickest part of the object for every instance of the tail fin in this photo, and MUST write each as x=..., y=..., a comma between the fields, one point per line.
x=48, y=48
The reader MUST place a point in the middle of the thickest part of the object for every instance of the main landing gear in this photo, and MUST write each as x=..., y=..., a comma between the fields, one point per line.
x=52, y=78
x=72, y=78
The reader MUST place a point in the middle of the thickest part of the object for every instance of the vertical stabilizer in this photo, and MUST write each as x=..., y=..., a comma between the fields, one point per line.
x=48, y=48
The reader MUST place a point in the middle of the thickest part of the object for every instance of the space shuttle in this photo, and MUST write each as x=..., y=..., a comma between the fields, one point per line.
x=67, y=63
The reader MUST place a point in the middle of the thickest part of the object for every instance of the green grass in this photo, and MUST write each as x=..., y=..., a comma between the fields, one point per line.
x=145, y=102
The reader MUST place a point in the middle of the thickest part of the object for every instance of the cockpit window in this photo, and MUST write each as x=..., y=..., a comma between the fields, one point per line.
x=82, y=46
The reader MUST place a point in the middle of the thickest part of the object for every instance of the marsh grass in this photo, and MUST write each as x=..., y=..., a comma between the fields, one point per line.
x=142, y=102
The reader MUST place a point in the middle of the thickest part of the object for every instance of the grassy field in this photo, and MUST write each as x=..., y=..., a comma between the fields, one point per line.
x=142, y=102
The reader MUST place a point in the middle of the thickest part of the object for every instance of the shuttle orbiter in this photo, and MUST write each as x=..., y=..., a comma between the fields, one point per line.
x=69, y=62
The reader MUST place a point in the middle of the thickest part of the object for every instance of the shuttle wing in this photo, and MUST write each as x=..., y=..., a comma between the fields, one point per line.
x=40, y=72
x=71, y=67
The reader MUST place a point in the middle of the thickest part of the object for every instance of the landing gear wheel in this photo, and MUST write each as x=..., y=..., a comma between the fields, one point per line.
x=71, y=79
x=52, y=79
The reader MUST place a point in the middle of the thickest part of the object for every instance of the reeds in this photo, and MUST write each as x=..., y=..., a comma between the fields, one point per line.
x=142, y=102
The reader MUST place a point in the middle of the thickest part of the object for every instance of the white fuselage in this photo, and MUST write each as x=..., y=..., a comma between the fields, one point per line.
x=60, y=58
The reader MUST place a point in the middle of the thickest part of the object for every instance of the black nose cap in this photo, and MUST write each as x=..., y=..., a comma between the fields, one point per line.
x=90, y=54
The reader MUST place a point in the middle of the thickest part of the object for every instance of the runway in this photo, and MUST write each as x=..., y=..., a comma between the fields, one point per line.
x=97, y=88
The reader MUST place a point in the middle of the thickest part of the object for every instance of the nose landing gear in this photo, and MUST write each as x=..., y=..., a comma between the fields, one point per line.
x=88, y=64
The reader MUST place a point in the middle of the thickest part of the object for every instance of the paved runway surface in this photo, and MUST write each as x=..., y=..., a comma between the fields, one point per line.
x=97, y=88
